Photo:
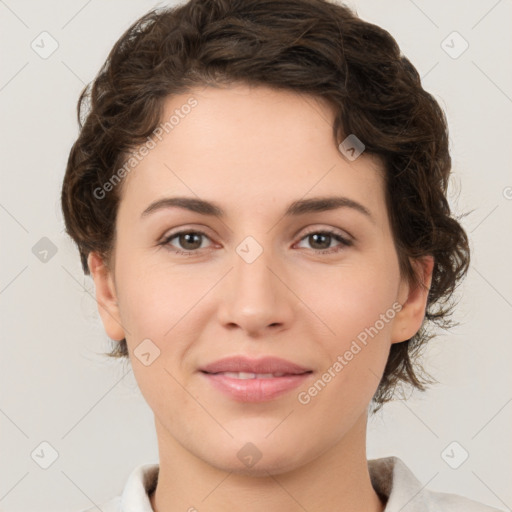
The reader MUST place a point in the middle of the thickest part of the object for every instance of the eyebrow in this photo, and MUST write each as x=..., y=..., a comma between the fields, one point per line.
x=299, y=207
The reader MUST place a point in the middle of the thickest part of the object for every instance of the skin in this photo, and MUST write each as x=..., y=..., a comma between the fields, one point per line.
x=253, y=151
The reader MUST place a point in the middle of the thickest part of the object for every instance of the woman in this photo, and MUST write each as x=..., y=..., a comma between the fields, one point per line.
x=258, y=192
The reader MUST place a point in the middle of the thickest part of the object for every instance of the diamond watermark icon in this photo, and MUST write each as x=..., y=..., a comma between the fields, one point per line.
x=146, y=352
x=454, y=45
x=249, y=249
x=44, y=45
x=351, y=148
x=44, y=455
x=44, y=250
x=454, y=455
x=249, y=454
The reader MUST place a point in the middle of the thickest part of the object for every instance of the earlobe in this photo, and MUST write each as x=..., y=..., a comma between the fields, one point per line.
x=414, y=301
x=106, y=297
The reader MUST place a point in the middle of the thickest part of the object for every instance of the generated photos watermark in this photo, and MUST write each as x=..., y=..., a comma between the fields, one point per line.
x=361, y=341
x=143, y=150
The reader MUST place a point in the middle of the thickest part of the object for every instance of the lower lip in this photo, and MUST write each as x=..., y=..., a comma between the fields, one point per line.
x=255, y=390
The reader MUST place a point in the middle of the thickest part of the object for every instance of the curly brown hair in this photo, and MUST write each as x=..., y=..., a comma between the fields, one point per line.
x=316, y=47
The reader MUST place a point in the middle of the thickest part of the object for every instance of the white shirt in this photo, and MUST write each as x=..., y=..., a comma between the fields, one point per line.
x=390, y=478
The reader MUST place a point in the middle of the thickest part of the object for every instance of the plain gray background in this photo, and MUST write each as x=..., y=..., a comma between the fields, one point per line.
x=56, y=388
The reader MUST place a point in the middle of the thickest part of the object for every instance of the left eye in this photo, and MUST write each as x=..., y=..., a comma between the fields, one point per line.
x=190, y=241
x=318, y=236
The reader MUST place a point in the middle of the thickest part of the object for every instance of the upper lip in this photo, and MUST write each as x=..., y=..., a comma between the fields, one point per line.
x=241, y=363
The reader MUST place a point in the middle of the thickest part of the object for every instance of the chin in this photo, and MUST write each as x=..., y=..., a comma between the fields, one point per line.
x=263, y=468
x=256, y=458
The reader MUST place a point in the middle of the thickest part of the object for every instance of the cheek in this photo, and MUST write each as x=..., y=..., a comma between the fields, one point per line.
x=161, y=305
x=154, y=297
x=357, y=307
x=356, y=296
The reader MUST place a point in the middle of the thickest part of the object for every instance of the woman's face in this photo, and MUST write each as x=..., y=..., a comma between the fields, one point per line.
x=257, y=281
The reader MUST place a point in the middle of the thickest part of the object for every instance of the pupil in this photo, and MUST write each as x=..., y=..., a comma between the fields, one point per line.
x=187, y=237
x=315, y=238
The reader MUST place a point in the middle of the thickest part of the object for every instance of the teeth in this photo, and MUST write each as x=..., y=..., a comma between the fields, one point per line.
x=246, y=375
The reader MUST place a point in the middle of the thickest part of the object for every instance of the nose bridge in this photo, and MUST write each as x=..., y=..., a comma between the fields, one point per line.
x=255, y=297
x=253, y=280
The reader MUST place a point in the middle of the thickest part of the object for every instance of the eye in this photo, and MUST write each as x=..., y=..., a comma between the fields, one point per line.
x=321, y=240
x=190, y=242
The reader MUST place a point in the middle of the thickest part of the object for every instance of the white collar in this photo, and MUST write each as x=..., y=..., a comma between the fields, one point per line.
x=390, y=478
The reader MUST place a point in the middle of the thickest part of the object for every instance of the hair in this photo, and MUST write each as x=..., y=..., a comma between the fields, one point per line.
x=314, y=47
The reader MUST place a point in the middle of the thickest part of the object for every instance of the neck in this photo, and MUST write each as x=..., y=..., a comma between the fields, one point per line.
x=336, y=480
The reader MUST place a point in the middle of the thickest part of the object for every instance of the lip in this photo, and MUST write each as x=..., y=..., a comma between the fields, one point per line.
x=256, y=389
x=267, y=364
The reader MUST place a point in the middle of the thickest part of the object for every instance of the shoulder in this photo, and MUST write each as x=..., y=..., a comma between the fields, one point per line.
x=135, y=495
x=397, y=485
x=453, y=503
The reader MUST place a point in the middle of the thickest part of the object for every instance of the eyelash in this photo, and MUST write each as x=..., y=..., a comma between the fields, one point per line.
x=334, y=234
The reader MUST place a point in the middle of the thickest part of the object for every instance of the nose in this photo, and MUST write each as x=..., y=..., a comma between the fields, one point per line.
x=255, y=296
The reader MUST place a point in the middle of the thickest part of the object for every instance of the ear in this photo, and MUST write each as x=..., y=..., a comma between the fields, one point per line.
x=106, y=298
x=413, y=298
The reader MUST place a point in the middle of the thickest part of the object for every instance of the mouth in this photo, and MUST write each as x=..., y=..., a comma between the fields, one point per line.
x=254, y=380
x=248, y=375
x=247, y=366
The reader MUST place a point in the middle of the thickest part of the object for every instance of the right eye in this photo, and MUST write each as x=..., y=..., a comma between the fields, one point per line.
x=188, y=240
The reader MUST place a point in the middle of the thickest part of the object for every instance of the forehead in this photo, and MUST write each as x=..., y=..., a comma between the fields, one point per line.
x=252, y=146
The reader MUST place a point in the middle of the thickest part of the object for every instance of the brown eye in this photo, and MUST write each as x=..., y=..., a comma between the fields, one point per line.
x=187, y=240
x=321, y=240
x=190, y=242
